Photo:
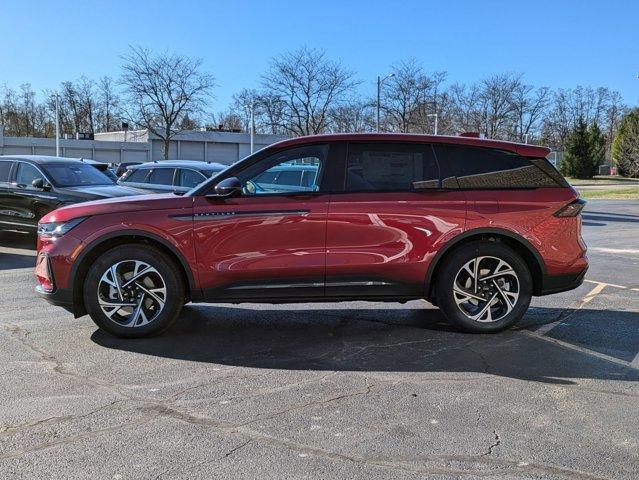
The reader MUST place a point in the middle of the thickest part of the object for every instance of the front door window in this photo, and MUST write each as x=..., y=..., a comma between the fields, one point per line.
x=297, y=170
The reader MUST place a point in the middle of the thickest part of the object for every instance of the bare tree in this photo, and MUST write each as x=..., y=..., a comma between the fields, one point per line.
x=108, y=106
x=529, y=106
x=404, y=96
x=302, y=87
x=355, y=116
x=162, y=89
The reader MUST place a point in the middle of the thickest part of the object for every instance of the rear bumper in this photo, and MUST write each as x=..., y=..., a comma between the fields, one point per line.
x=562, y=283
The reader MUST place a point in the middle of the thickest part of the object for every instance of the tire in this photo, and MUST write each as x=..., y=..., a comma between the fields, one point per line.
x=147, y=305
x=465, y=305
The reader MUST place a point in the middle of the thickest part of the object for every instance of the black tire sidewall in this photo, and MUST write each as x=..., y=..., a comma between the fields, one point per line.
x=455, y=261
x=157, y=259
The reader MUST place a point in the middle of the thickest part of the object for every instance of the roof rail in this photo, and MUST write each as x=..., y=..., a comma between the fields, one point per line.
x=470, y=134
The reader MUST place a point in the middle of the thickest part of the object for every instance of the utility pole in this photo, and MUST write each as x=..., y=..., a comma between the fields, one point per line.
x=251, y=108
x=379, y=90
x=57, y=125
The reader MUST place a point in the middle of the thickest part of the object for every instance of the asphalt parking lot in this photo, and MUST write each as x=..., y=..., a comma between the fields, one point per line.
x=357, y=390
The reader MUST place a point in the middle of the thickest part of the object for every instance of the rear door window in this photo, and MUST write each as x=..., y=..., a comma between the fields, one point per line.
x=289, y=177
x=162, y=176
x=137, y=176
x=485, y=168
x=390, y=167
x=190, y=178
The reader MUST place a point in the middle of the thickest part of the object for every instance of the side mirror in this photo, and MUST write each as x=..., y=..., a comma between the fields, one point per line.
x=39, y=184
x=228, y=187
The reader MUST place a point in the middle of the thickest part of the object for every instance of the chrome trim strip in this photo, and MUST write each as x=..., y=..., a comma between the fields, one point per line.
x=19, y=223
x=279, y=285
x=357, y=284
x=198, y=217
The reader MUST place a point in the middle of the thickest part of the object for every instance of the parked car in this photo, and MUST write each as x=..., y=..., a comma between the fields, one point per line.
x=120, y=168
x=293, y=177
x=474, y=226
x=103, y=167
x=32, y=186
x=170, y=175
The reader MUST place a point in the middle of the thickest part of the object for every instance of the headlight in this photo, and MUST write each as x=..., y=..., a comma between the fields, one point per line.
x=57, y=229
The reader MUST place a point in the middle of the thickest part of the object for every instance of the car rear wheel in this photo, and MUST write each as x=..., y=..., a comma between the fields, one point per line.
x=133, y=291
x=484, y=287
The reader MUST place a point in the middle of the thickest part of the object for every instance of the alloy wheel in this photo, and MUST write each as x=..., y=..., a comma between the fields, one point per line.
x=486, y=289
x=131, y=293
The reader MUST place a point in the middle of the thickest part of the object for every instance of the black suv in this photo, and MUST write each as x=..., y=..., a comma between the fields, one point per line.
x=178, y=176
x=32, y=186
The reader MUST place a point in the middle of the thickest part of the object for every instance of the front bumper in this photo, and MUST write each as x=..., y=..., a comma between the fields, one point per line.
x=59, y=298
x=562, y=283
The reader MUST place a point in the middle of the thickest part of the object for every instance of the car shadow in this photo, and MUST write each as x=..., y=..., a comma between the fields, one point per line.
x=370, y=340
x=10, y=259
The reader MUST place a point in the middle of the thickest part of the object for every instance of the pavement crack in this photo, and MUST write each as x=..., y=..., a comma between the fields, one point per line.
x=492, y=447
x=336, y=398
x=9, y=429
x=235, y=449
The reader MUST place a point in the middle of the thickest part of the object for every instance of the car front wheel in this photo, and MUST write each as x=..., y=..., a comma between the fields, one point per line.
x=133, y=291
x=484, y=287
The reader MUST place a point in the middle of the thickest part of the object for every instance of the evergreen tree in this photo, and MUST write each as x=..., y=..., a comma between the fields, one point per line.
x=625, y=148
x=579, y=161
x=597, y=142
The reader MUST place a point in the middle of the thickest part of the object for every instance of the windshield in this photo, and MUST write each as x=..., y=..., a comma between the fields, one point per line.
x=76, y=175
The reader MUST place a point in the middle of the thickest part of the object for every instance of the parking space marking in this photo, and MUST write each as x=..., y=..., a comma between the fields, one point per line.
x=585, y=300
x=614, y=285
x=587, y=351
x=631, y=251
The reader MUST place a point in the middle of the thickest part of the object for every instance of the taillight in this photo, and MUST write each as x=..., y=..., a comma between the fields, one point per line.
x=572, y=209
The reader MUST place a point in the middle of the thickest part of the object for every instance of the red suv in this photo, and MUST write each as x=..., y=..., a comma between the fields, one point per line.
x=474, y=226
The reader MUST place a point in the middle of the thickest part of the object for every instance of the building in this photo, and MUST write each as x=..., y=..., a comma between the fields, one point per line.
x=141, y=146
x=210, y=145
x=102, y=151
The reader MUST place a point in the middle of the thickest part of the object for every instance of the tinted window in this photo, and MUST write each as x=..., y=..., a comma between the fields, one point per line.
x=390, y=167
x=137, y=176
x=27, y=174
x=282, y=171
x=477, y=167
x=308, y=177
x=5, y=168
x=76, y=174
x=162, y=176
x=289, y=177
x=190, y=178
x=267, y=177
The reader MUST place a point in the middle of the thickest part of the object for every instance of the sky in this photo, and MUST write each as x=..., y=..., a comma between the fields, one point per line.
x=559, y=43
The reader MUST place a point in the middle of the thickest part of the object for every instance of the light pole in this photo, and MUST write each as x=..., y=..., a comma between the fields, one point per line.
x=379, y=90
x=251, y=111
x=57, y=125
x=436, y=120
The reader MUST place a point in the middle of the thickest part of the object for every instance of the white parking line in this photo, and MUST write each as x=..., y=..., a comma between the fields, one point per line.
x=592, y=294
x=634, y=364
x=631, y=251
x=614, y=285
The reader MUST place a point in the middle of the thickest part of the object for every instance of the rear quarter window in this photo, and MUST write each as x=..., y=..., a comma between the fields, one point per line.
x=485, y=168
x=5, y=169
